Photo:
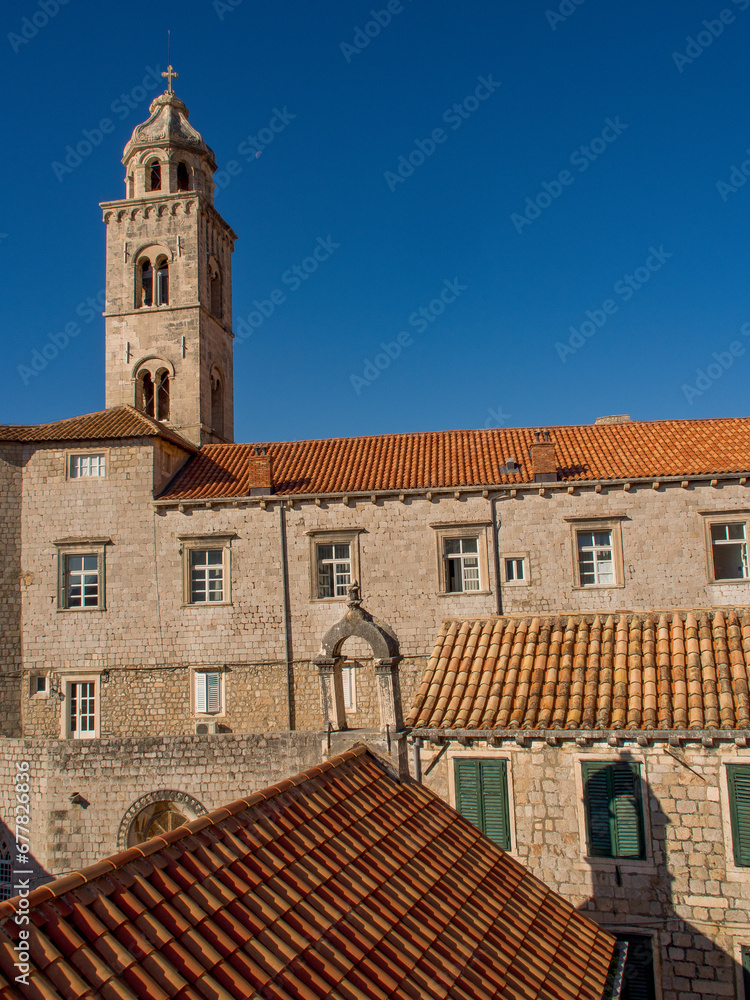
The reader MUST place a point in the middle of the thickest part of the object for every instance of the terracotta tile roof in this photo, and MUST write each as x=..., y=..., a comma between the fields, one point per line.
x=117, y=422
x=448, y=459
x=673, y=670
x=341, y=882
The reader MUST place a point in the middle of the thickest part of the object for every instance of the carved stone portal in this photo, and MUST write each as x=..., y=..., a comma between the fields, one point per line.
x=383, y=642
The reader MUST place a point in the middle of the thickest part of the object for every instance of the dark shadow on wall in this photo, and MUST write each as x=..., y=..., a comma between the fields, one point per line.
x=19, y=869
x=627, y=828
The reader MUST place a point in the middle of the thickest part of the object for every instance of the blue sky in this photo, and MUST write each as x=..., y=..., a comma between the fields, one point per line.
x=566, y=216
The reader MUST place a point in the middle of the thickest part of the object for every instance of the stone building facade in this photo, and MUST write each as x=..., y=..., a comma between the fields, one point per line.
x=167, y=597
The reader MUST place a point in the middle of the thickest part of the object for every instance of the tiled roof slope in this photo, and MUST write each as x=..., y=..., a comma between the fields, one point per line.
x=340, y=883
x=634, y=450
x=117, y=422
x=675, y=670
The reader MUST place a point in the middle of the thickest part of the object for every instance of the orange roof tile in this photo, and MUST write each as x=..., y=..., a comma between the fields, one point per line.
x=449, y=459
x=372, y=888
x=117, y=422
x=642, y=671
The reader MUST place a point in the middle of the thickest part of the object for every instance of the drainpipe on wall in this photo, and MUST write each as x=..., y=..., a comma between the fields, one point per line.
x=416, y=748
x=496, y=554
x=287, y=618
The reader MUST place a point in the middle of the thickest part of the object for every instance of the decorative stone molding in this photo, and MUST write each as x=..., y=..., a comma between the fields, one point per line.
x=187, y=803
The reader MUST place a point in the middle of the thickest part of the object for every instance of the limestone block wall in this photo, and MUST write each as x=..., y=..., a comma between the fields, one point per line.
x=688, y=894
x=107, y=778
x=11, y=586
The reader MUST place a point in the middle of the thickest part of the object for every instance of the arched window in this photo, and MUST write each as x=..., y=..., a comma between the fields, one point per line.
x=153, y=176
x=162, y=281
x=183, y=177
x=162, y=395
x=216, y=288
x=147, y=389
x=147, y=283
x=217, y=403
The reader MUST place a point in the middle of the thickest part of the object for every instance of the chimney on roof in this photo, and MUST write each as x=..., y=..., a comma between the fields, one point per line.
x=617, y=418
x=543, y=459
x=259, y=473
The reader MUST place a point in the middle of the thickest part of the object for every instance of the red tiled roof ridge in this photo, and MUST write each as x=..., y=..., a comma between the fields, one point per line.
x=390, y=435
x=73, y=880
x=139, y=422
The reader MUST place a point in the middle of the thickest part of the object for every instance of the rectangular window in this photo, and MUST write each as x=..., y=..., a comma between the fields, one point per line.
x=206, y=576
x=596, y=566
x=334, y=569
x=729, y=551
x=514, y=570
x=614, y=813
x=207, y=692
x=6, y=873
x=738, y=780
x=638, y=980
x=461, y=564
x=82, y=709
x=82, y=581
x=482, y=796
x=87, y=466
x=745, y=953
x=37, y=684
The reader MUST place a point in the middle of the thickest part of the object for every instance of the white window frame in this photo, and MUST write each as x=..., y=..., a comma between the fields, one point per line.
x=102, y=456
x=75, y=680
x=452, y=531
x=201, y=689
x=522, y=557
x=72, y=548
x=33, y=679
x=613, y=524
x=349, y=686
x=726, y=519
x=206, y=543
x=318, y=538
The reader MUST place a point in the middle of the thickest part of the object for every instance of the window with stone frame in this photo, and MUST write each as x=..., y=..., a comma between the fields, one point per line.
x=481, y=787
x=89, y=465
x=206, y=569
x=614, y=810
x=738, y=784
x=597, y=551
x=81, y=574
x=638, y=979
x=728, y=545
x=207, y=692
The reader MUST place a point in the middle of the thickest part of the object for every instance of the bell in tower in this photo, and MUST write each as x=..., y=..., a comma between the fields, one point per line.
x=169, y=281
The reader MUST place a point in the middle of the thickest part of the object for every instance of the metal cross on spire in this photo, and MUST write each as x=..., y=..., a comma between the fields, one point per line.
x=170, y=73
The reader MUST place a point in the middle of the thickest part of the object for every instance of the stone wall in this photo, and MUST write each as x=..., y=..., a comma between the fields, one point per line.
x=688, y=893
x=12, y=582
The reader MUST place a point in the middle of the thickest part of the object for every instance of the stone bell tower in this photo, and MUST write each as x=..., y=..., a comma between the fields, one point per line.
x=169, y=281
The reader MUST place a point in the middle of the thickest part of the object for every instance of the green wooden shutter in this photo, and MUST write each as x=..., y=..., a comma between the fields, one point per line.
x=596, y=796
x=482, y=797
x=628, y=814
x=614, y=814
x=746, y=970
x=638, y=976
x=739, y=807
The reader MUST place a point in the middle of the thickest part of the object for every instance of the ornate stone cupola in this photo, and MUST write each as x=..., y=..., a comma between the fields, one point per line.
x=169, y=280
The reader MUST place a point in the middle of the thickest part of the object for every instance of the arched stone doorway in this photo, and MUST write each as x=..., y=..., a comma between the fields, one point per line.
x=156, y=814
x=383, y=642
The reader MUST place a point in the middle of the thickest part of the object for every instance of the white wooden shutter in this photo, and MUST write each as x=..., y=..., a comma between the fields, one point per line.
x=200, y=692
x=213, y=692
